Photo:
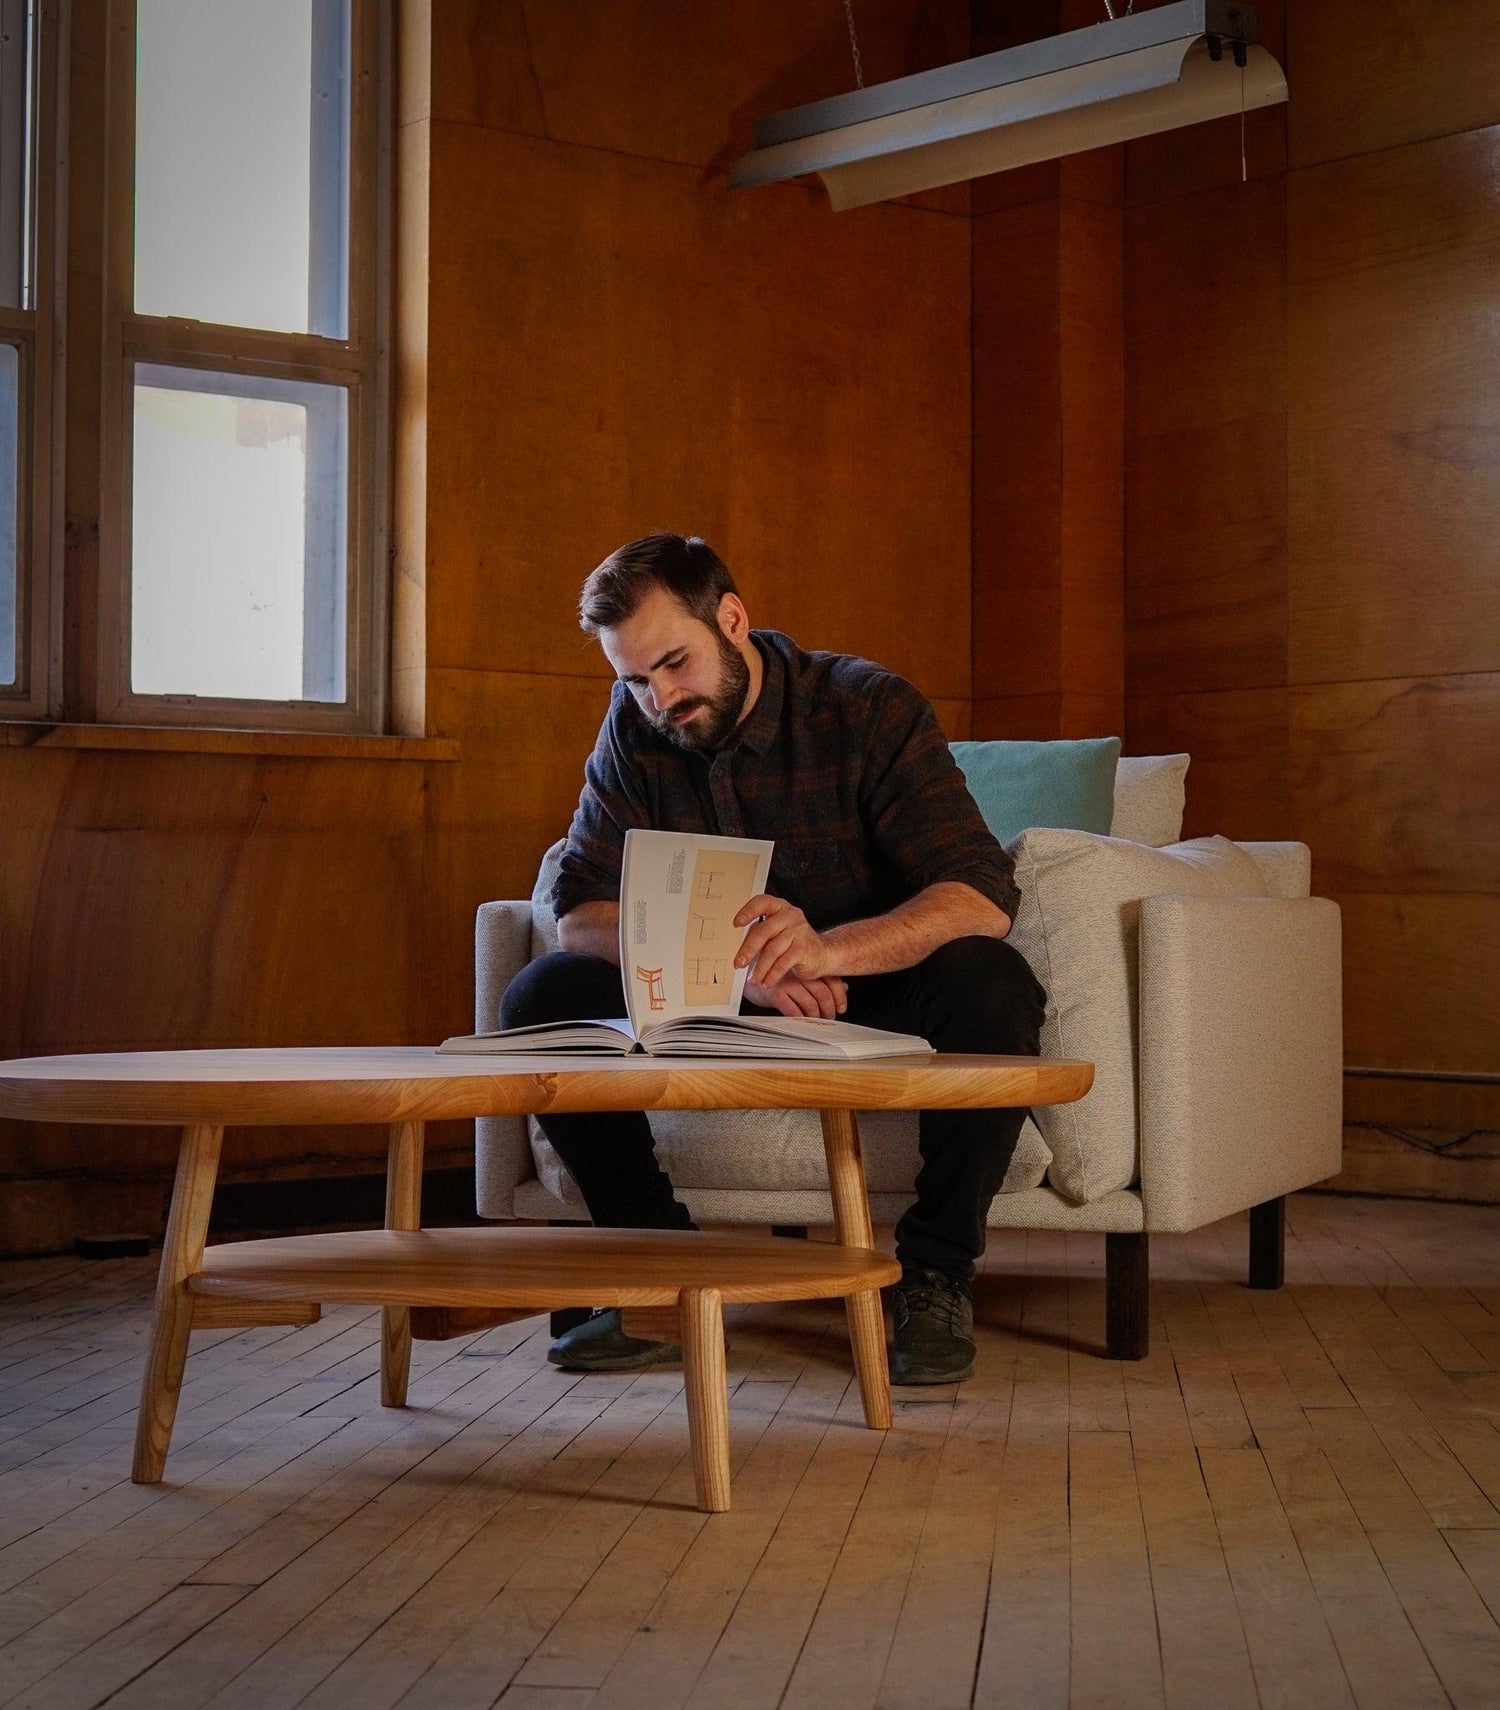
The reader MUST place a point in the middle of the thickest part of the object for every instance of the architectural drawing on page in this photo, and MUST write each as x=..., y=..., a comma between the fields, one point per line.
x=679, y=894
x=723, y=882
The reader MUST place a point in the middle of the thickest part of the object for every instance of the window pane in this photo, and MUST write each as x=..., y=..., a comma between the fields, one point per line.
x=10, y=386
x=238, y=537
x=242, y=162
x=17, y=127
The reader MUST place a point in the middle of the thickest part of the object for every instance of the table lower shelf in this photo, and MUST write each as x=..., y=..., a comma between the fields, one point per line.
x=508, y=1271
x=435, y=1284
x=540, y=1268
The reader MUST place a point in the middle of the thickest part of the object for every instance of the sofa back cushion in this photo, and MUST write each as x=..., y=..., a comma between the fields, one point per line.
x=1143, y=793
x=1150, y=794
x=1078, y=926
x=1285, y=867
x=543, y=921
x=1018, y=784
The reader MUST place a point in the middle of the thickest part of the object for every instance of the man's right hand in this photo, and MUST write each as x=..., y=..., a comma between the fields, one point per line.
x=826, y=997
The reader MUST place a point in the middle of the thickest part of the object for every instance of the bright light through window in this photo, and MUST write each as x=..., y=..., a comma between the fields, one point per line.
x=238, y=537
x=242, y=145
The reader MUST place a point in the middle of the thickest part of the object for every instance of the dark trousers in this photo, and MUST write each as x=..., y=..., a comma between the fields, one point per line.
x=973, y=995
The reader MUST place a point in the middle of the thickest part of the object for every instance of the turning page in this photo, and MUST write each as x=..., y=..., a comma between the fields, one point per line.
x=679, y=894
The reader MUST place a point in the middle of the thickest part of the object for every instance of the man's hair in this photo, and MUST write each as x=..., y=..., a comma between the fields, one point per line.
x=688, y=568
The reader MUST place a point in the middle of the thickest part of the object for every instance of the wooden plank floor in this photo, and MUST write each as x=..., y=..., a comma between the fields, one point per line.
x=1294, y=1501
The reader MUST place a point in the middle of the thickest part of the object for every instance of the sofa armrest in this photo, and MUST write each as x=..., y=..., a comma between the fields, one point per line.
x=1241, y=1053
x=502, y=1153
x=502, y=947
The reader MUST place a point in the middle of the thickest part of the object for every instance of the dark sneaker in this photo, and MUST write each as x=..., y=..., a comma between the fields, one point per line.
x=934, y=1340
x=600, y=1345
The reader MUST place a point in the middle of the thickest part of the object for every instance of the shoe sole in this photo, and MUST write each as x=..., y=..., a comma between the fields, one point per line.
x=910, y=1380
x=669, y=1356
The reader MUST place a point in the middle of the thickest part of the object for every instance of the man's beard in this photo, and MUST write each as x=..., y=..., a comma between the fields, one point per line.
x=708, y=735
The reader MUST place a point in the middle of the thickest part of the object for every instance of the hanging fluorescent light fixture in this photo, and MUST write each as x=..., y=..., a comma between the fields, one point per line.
x=1151, y=71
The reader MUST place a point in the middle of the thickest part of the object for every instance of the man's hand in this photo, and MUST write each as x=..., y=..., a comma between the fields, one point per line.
x=827, y=997
x=780, y=944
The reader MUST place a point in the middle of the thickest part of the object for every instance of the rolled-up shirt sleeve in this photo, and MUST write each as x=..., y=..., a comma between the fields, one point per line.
x=611, y=803
x=918, y=808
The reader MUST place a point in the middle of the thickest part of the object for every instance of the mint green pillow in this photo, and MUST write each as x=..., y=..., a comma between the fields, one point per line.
x=1066, y=785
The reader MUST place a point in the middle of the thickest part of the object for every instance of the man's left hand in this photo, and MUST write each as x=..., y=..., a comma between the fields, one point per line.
x=780, y=943
x=828, y=997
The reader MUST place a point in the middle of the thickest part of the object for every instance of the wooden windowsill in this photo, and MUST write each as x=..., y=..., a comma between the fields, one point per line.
x=182, y=739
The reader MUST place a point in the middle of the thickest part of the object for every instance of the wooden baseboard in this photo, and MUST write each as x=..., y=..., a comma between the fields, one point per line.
x=1376, y=1163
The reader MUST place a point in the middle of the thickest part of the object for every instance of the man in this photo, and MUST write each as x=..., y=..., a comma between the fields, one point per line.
x=889, y=902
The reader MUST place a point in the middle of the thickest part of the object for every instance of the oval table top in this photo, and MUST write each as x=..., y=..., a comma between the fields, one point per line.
x=414, y=1083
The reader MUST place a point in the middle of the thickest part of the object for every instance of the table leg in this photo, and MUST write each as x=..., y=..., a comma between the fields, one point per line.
x=851, y=1217
x=701, y=1315
x=403, y=1210
x=172, y=1319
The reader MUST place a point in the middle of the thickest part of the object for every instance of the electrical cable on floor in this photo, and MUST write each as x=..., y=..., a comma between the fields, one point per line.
x=1422, y=1142
x=1437, y=1148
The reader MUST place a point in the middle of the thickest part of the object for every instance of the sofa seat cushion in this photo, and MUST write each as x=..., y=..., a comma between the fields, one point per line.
x=1078, y=926
x=782, y=1150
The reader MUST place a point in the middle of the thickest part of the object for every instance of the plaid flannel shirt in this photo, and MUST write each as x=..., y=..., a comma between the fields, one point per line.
x=841, y=762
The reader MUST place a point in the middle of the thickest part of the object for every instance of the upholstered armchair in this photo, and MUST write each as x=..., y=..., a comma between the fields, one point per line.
x=1202, y=980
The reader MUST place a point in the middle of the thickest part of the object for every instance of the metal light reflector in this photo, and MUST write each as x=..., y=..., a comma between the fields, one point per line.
x=1151, y=71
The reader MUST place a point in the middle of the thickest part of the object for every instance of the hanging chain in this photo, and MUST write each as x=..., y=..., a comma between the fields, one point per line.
x=1109, y=6
x=859, y=70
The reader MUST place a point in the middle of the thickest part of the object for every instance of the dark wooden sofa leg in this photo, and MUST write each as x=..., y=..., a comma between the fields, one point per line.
x=1268, y=1244
x=1127, y=1296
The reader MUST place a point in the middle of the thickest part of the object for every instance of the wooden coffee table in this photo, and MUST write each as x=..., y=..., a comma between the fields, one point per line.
x=439, y=1282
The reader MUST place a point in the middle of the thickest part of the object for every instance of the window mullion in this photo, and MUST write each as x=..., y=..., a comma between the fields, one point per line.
x=30, y=268
x=297, y=355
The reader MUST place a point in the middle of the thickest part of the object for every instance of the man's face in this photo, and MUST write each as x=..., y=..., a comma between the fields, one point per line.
x=688, y=679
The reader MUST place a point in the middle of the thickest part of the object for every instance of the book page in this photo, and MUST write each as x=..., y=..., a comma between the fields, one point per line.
x=679, y=894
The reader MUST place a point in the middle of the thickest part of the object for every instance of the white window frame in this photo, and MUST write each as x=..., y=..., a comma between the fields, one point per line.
x=35, y=331
x=358, y=362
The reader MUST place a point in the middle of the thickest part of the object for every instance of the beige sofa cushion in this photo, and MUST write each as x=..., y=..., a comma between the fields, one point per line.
x=782, y=1151
x=543, y=921
x=1286, y=867
x=1150, y=794
x=1078, y=926
x=778, y=1150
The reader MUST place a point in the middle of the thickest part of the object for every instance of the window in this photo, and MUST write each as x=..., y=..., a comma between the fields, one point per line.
x=28, y=55
x=243, y=532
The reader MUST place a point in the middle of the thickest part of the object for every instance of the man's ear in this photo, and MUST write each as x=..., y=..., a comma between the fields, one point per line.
x=734, y=620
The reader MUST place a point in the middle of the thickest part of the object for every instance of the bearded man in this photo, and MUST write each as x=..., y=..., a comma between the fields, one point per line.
x=889, y=904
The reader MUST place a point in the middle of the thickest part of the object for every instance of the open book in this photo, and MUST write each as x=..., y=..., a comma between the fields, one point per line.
x=679, y=894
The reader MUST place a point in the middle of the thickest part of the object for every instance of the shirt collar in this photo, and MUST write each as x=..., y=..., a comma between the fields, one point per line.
x=758, y=730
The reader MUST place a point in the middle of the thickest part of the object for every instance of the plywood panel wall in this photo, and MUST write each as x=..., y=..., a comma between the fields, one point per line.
x=1312, y=480
x=1049, y=451
x=618, y=344
x=613, y=343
